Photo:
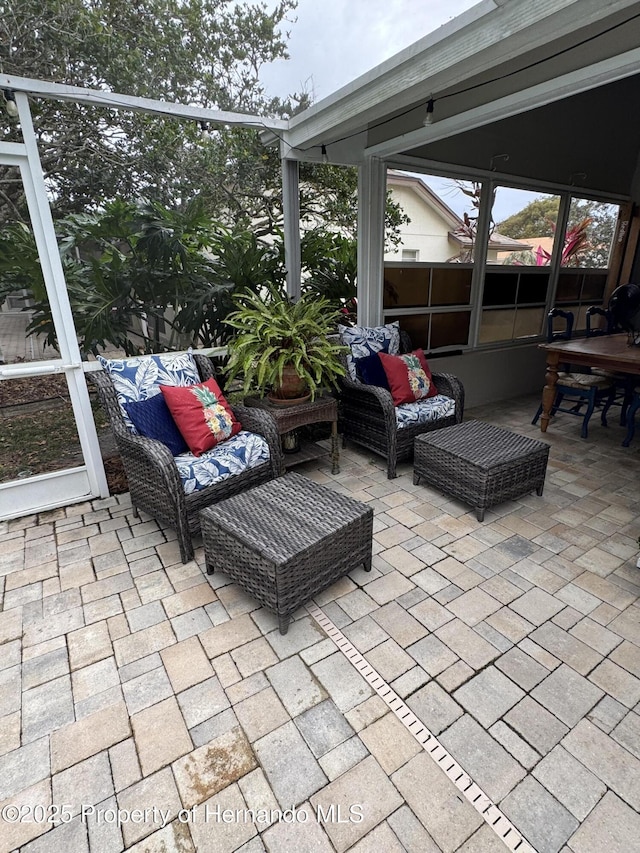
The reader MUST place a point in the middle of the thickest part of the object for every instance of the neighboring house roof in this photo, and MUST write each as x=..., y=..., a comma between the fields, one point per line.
x=531, y=243
x=497, y=242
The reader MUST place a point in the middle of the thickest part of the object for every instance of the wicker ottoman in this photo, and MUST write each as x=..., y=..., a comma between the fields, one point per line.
x=287, y=540
x=480, y=464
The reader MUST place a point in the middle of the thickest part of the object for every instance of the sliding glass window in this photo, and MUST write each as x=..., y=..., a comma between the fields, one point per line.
x=431, y=297
x=517, y=275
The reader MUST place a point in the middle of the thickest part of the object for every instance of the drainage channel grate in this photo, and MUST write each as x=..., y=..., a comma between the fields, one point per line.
x=487, y=809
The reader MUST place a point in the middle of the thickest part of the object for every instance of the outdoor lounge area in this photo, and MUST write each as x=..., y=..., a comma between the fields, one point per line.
x=131, y=681
x=424, y=640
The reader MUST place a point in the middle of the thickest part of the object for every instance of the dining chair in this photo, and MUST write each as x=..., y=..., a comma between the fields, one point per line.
x=634, y=405
x=573, y=389
x=606, y=325
x=624, y=383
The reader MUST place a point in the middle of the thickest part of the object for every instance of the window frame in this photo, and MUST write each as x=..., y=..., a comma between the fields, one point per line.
x=479, y=264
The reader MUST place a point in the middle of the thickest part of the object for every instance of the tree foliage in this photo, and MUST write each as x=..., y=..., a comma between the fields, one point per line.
x=201, y=52
x=590, y=230
x=536, y=219
x=143, y=277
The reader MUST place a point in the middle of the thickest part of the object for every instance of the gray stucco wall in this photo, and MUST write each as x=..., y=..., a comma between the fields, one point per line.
x=489, y=376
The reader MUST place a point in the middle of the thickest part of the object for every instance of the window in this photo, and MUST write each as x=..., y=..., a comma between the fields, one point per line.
x=518, y=271
x=588, y=240
x=444, y=290
x=431, y=300
x=411, y=254
x=433, y=226
x=435, y=294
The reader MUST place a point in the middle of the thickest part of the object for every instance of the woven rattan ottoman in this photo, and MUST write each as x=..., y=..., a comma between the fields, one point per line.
x=285, y=541
x=480, y=464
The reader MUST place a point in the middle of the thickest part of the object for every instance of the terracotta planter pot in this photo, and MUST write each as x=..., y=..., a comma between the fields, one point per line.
x=291, y=386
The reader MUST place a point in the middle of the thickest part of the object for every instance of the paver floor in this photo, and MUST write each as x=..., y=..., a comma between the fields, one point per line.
x=145, y=706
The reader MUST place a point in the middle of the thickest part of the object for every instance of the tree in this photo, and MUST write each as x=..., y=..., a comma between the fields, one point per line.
x=204, y=52
x=468, y=229
x=590, y=231
x=144, y=277
x=536, y=219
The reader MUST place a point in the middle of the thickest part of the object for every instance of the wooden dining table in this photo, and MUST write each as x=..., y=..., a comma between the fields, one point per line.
x=611, y=352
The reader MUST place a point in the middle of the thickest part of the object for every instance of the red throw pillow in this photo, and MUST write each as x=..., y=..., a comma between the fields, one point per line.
x=409, y=377
x=201, y=414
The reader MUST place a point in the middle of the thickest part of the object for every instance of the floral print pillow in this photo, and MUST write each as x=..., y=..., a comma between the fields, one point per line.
x=365, y=341
x=140, y=377
x=201, y=414
x=409, y=377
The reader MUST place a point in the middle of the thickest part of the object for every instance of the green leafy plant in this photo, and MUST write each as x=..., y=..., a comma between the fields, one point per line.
x=275, y=334
x=330, y=262
x=144, y=278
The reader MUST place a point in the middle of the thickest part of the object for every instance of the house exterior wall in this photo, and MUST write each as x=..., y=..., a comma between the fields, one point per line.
x=485, y=378
x=427, y=232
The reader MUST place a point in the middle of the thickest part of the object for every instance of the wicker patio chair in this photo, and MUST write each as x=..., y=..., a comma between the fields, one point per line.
x=154, y=481
x=368, y=416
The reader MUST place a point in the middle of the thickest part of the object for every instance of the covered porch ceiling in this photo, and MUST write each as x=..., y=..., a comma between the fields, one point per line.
x=554, y=85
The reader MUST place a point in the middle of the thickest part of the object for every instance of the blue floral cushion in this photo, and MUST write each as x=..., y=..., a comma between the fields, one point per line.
x=370, y=371
x=139, y=378
x=153, y=419
x=425, y=411
x=364, y=341
x=233, y=456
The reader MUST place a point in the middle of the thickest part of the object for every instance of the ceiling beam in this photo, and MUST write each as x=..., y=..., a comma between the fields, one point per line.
x=103, y=98
x=419, y=165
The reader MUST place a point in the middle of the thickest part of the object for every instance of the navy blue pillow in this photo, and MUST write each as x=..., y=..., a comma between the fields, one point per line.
x=153, y=419
x=370, y=371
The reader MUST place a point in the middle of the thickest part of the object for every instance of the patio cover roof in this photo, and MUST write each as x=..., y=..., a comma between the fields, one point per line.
x=552, y=84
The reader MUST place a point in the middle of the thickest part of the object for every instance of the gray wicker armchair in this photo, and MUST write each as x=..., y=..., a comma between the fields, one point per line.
x=154, y=482
x=368, y=415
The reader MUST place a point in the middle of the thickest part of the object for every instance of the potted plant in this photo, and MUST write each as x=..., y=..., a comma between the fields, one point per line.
x=284, y=349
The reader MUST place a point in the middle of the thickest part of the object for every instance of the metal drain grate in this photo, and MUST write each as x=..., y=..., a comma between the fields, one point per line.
x=487, y=809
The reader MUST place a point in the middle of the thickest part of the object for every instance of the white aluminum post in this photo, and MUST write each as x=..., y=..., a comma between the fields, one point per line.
x=372, y=197
x=556, y=258
x=58, y=297
x=480, y=250
x=291, y=211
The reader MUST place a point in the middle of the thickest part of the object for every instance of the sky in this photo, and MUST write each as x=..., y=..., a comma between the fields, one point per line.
x=334, y=41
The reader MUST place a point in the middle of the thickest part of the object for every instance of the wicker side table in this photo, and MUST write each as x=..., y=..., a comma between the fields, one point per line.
x=480, y=464
x=289, y=418
x=287, y=540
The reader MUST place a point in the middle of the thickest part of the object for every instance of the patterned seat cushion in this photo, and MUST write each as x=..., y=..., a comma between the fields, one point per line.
x=233, y=456
x=584, y=381
x=365, y=341
x=140, y=377
x=424, y=411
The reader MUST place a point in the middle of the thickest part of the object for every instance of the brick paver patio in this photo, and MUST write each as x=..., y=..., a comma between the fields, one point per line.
x=146, y=707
